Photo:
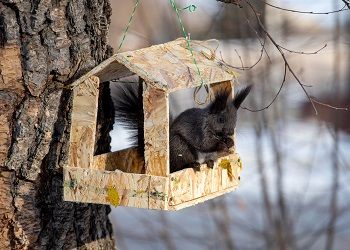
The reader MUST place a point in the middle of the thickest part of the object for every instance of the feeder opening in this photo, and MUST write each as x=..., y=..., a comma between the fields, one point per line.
x=127, y=152
x=200, y=131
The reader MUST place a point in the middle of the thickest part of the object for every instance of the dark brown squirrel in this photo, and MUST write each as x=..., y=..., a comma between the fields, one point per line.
x=196, y=135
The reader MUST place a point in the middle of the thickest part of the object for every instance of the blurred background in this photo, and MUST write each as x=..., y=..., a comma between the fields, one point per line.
x=295, y=185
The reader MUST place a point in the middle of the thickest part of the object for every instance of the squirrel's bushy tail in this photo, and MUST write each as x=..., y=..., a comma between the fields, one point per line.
x=129, y=111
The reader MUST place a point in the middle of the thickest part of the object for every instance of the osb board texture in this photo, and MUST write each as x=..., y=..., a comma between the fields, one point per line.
x=169, y=66
x=190, y=185
x=159, y=189
x=116, y=188
x=83, y=123
x=156, y=131
x=176, y=191
x=201, y=199
x=127, y=160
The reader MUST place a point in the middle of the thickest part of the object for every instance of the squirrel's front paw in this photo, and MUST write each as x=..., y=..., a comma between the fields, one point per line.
x=195, y=165
x=210, y=163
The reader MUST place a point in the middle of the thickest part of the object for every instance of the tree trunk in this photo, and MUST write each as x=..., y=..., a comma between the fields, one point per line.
x=45, y=44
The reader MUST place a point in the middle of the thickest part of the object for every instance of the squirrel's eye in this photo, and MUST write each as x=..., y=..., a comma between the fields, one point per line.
x=220, y=134
x=221, y=119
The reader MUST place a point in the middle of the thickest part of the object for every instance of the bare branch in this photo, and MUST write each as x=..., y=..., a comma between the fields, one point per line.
x=329, y=106
x=347, y=3
x=302, y=52
x=281, y=50
x=282, y=54
x=234, y=2
x=257, y=36
x=277, y=94
x=310, y=12
x=240, y=58
x=245, y=67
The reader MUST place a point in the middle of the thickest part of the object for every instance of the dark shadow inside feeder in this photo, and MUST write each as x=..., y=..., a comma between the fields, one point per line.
x=123, y=90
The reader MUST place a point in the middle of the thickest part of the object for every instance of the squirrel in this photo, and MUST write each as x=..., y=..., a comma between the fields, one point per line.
x=197, y=135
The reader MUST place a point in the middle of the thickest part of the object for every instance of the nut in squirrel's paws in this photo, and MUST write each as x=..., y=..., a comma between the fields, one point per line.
x=231, y=150
x=229, y=142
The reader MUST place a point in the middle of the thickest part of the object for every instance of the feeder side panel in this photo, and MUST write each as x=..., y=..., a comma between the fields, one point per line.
x=156, y=131
x=83, y=123
x=106, y=187
x=188, y=186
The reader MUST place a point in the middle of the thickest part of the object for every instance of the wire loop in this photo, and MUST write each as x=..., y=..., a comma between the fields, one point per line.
x=190, y=8
x=189, y=47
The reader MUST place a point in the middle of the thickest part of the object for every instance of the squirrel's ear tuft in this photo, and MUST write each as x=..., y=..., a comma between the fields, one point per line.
x=220, y=102
x=240, y=96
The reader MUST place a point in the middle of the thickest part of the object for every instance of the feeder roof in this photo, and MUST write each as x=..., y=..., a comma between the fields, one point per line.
x=167, y=66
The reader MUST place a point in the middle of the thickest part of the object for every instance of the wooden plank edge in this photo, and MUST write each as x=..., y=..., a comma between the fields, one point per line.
x=94, y=71
x=201, y=199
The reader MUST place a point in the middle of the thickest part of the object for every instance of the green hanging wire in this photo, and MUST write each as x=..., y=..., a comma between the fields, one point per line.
x=128, y=25
x=172, y=2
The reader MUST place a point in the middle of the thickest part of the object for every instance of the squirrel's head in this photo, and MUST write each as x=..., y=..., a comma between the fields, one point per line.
x=223, y=112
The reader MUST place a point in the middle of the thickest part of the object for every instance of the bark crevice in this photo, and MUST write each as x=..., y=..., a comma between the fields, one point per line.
x=53, y=42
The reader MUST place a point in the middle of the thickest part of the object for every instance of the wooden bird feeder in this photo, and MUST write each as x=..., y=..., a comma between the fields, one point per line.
x=123, y=178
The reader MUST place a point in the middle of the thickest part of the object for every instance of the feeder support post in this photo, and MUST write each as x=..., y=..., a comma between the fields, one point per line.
x=156, y=130
x=83, y=123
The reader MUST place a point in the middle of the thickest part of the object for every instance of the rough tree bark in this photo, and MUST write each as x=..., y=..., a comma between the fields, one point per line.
x=45, y=44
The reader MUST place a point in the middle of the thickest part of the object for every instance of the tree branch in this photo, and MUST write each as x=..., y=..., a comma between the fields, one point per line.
x=309, y=12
